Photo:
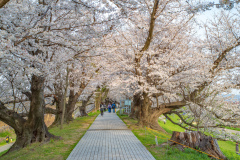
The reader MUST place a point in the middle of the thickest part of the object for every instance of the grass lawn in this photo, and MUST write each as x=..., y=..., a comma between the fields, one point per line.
x=3, y=136
x=227, y=147
x=55, y=149
x=232, y=128
x=164, y=152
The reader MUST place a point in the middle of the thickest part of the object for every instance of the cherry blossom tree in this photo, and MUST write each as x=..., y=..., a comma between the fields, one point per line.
x=167, y=67
x=38, y=43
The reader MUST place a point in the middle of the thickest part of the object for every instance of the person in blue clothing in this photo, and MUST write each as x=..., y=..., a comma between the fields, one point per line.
x=109, y=108
x=113, y=107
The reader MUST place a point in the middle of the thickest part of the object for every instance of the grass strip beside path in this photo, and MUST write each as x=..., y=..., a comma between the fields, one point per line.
x=163, y=151
x=56, y=149
x=227, y=147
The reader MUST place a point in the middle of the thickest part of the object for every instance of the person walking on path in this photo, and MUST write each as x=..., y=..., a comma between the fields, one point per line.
x=113, y=107
x=7, y=139
x=109, y=108
x=104, y=107
x=237, y=149
x=101, y=109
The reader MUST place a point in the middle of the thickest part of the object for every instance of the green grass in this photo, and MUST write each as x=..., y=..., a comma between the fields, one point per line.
x=164, y=152
x=3, y=153
x=232, y=128
x=55, y=149
x=170, y=127
x=4, y=134
x=227, y=147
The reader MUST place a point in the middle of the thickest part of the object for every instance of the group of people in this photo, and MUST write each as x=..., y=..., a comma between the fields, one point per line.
x=109, y=107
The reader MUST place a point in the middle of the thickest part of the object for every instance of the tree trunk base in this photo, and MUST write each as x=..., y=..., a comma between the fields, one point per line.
x=82, y=111
x=197, y=140
x=30, y=136
x=83, y=115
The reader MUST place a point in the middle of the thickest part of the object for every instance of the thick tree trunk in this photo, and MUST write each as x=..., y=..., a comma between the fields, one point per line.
x=82, y=109
x=145, y=110
x=135, y=106
x=72, y=100
x=59, y=109
x=70, y=106
x=34, y=128
x=197, y=140
x=147, y=115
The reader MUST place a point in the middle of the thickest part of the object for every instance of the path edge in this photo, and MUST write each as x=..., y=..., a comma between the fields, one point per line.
x=82, y=135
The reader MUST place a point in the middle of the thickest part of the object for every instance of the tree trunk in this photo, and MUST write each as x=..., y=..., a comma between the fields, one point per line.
x=82, y=109
x=147, y=115
x=34, y=128
x=59, y=109
x=136, y=106
x=64, y=99
x=145, y=110
x=98, y=99
x=71, y=105
x=69, y=108
x=197, y=140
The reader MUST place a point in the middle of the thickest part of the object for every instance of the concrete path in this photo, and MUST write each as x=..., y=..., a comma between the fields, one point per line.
x=228, y=131
x=5, y=147
x=108, y=138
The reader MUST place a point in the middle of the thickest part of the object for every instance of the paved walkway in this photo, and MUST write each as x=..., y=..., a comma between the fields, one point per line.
x=108, y=138
x=5, y=147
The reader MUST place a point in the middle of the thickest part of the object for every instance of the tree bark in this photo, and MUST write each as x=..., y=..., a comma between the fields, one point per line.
x=71, y=105
x=64, y=99
x=145, y=107
x=33, y=129
x=59, y=108
x=82, y=109
x=3, y=2
x=136, y=106
x=197, y=140
x=147, y=115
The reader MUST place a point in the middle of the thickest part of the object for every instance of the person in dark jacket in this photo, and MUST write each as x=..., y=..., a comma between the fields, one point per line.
x=113, y=107
x=101, y=109
x=7, y=139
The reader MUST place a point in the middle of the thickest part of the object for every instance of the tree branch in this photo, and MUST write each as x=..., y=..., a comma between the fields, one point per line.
x=151, y=28
x=11, y=118
x=3, y=3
